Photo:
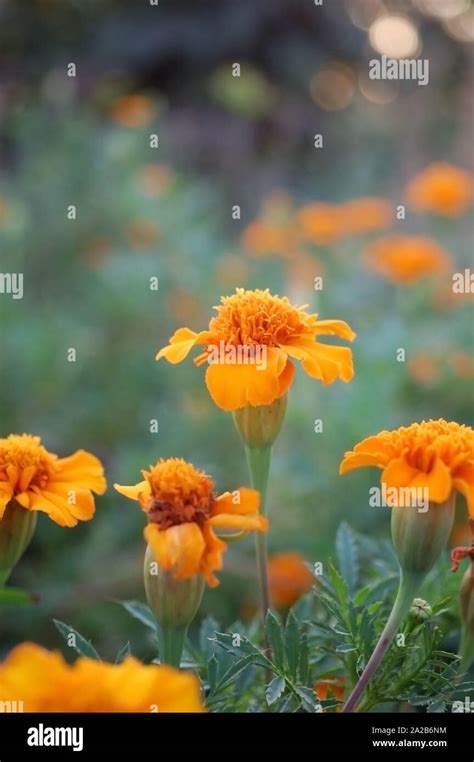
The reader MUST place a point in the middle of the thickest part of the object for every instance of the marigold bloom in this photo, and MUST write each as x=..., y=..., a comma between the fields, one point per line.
x=40, y=481
x=254, y=320
x=44, y=682
x=183, y=512
x=289, y=578
x=406, y=259
x=331, y=687
x=441, y=188
x=367, y=215
x=436, y=455
x=321, y=223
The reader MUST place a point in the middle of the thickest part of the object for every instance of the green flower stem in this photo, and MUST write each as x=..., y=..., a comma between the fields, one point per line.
x=409, y=585
x=259, y=460
x=171, y=642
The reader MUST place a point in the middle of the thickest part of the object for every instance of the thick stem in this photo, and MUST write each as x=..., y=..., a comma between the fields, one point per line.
x=409, y=585
x=171, y=644
x=259, y=466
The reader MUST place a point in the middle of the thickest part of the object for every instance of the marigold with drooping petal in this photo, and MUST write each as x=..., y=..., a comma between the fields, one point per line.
x=257, y=319
x=183, y=512
x=41, y=481
x=436, y=455
x=42, y=681
x=441, y=188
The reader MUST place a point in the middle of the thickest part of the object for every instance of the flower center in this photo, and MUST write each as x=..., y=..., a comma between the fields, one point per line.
x=20, y=453
x=180, y=494
x=258, y=317
x=423, y=442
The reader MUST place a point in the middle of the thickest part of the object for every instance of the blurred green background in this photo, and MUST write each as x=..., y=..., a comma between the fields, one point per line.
x=166, y=212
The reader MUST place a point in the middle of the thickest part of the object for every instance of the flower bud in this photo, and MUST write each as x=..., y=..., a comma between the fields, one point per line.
x=419, y=612
x=260, y=426
x=420, y=537
x=174, y=602
x=17, y=527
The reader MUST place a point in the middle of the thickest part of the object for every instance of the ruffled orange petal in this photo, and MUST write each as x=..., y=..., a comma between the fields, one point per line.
x=135, y=491
x=286, y=378
x=6, y=493
x=335, y=328
x=463, y=481
x=212, y=557
x=399, y=473
x=238, y=385
x=234, y=521
x=322, y=361
x=55, y=506
x=79, y=502
x=249, y=502
x=82, y=470
x=181, y=343
x=179, y=548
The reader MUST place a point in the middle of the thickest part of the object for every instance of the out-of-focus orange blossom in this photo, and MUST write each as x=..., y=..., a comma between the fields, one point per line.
x=154, y=179
x=289, y=579
x=405, y=259
x=133, y=111
x=441, y=188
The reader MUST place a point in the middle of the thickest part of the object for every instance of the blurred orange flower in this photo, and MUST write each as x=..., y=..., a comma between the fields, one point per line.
x=424, y=368
x=367, y=215
x=264, y=238
x=330, y=688
x=238, y=375
x=42, y=681
x=462, y=364
x=441, y=188
x=40, y=481
x=183, y=511
x=289, y=579
x=405, y=259
x=436, y=455
x=142, y=233
x=154, y=179
x=321, y=223
x=133, y=111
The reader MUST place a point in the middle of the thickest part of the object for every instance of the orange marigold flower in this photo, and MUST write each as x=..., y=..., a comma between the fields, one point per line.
x=40, y=481
x=42, y=681
x=133, y=111
x=321, y=223
x=289, y=579
x=436, y=455
x=330, y=688
x=183, y=512
x=441, y=188
x=253, y=336
x=367, y=215
x=406, y=259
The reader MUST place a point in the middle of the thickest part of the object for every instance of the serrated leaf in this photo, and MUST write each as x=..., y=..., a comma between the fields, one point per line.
x=140, y=611
x=337, y=581
x=274, y=690
x=212, y=672
x=309, y=701
x=274, y=632
x=123, y=653
x=79, y=643
x=436, y=707
x=292, y=644
x=233, y=672
x=16, y=597
x=347, y=556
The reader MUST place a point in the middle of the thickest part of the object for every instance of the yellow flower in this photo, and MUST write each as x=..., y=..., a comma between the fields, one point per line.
x=183, y=512
x=441, y=188
x=40, y=481
x=249, y=344
x=405, y=259
x=44, y=682
x=436, y=455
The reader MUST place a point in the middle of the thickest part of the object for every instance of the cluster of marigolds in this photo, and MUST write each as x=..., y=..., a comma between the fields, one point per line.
x=189, y=525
